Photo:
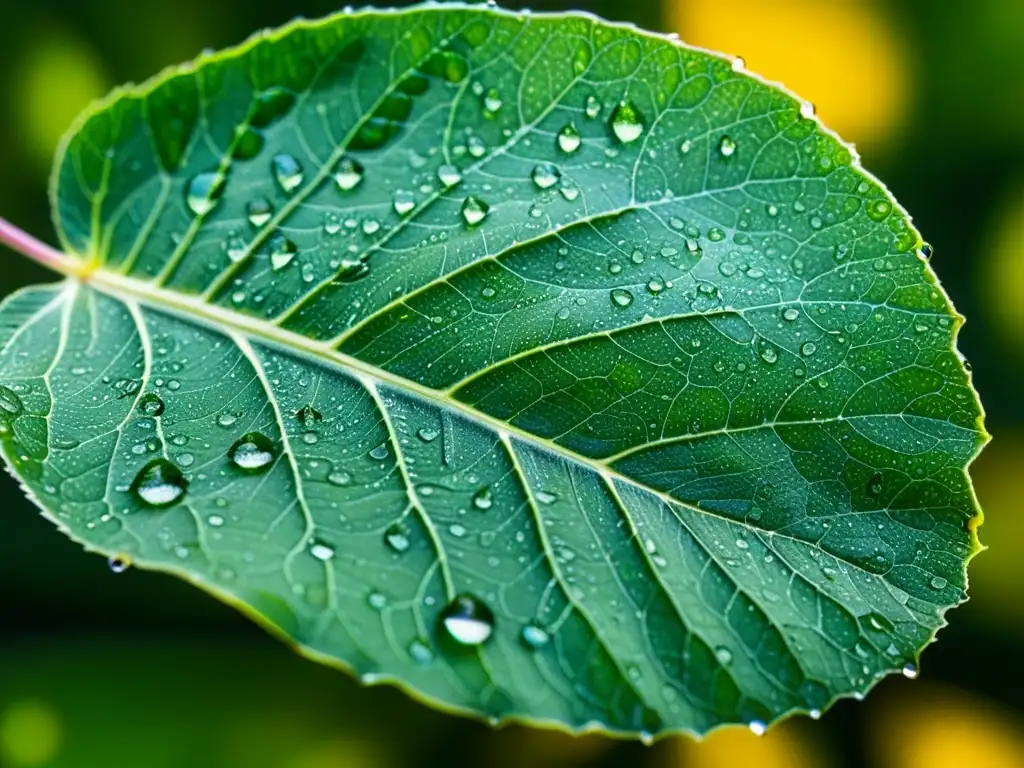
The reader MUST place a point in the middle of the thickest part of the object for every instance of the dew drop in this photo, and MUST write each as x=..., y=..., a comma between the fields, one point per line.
x=252, y=453
x=910, y=670
x=474, y=210
x=380, y=452
x=282, y=251
x=626, y=122
x=348, y=174
x=938, y=582
x=546, y=497
x=545, y=175
x=468, y=620
x=119, y=563
x=151, y=405
x=621, y=297
x=492, y=100
x=159, y=484
x=569, y=139
x=10, y=403
x=757, y=727
x=482, y=499
x=377, y=601
x=403, y=202
x=287, y=172
x=396, y=537
x=534, y=637
x=259, y=211
x=339, y=478
x=726, y=147
x=204, y=191
x=322, y=552
x=879, y=210
x=449, y=175
x=808, y=348
x=420, y=652
x=427, y=435
x=592, y=107
x=308, y=416
x=791, y=314
x=723, y=654
x=769, y=355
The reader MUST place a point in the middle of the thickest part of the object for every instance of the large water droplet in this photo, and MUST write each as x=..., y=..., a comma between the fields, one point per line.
x=468, y=620
x=252, y=453
x=449, y=175
x=621, y=297
x=259, y=211
x=474, y=210
x=626, y=122
x=151, y=404
x=569, y=139
x=204, y=191
x=282, y=251
x=287, y=172
x=348, y=174
x=159, y=484
x=396, y=537
x=403, y=202
x=545, y=175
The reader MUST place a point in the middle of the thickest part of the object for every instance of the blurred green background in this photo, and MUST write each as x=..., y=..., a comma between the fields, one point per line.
x=144, y=671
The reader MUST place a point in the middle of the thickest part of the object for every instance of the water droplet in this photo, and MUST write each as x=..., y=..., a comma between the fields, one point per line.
x=546, y=497
x=420, y=652
x=159, y=484
x=151, y=404
x=808, y=348
x=626, y=122
x=769, y=355
x=621, y=297
x=204, y=191
x=686, y=146
x=926, y=251
x=236, y=249
x=938, y=582
x=569, y=139
x=403, y=202
x=252, y=453
x=875, y=484
x=474, y=210
x=726, y=147
x=910, y=670
x=468, y=620
x=396, y=537
x=879, y=210
x=282, y=251
x=492, y=100
x=723, y=654
x=259, y=211
x=339, y=478
x=482, y=498
x=377, y=601
x=427, y=435
x=226, y=419
x=655, y=286
x=380, y=452
x=757, y=727
x=449, y=175
x=287, y=172
x=308, y=416
x=119, y=563
x=322, y=552
x=545, y=175
x=534, y=637
x=348, y=174
x=476, y=147
x=592, y=108
x=791, y=314
x=215, y=521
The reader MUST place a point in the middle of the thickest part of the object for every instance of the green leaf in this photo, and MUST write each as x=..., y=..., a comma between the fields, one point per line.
x=551, y=369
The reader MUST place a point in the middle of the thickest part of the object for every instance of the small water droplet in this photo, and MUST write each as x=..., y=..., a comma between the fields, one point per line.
x=808, y=348
x=204, y=192
x=878, y=210
x=308, y=416
x=474, y=210
x=151, y=405
x=723, y=654
x=569, y=139
x=875, y=484
x=339, y=478
x=252, y=453
x=626, y=122
x=282, y=251
x=592, y=108
x=159, y=484
x=492, y=100
x=546, y=497
x=468, y=620
x=621, y=297
x=534, y=636
x=757, y=727
x=119, y=563
x=726, y=147
x=938, y=582
x=287, y=172
x=377, y=601
x=380, y=452
x=768, y=354
x=427, y=435
x=322, y=552
x=348, y=174
x=420, y=652
x=910, y=670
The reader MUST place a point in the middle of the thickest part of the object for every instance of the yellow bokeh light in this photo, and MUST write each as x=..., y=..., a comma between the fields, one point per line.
x=56, y=78
x=842, y=55
x=945, y=728
x=783, y=746
x=30, y=734
x=1002, y=277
